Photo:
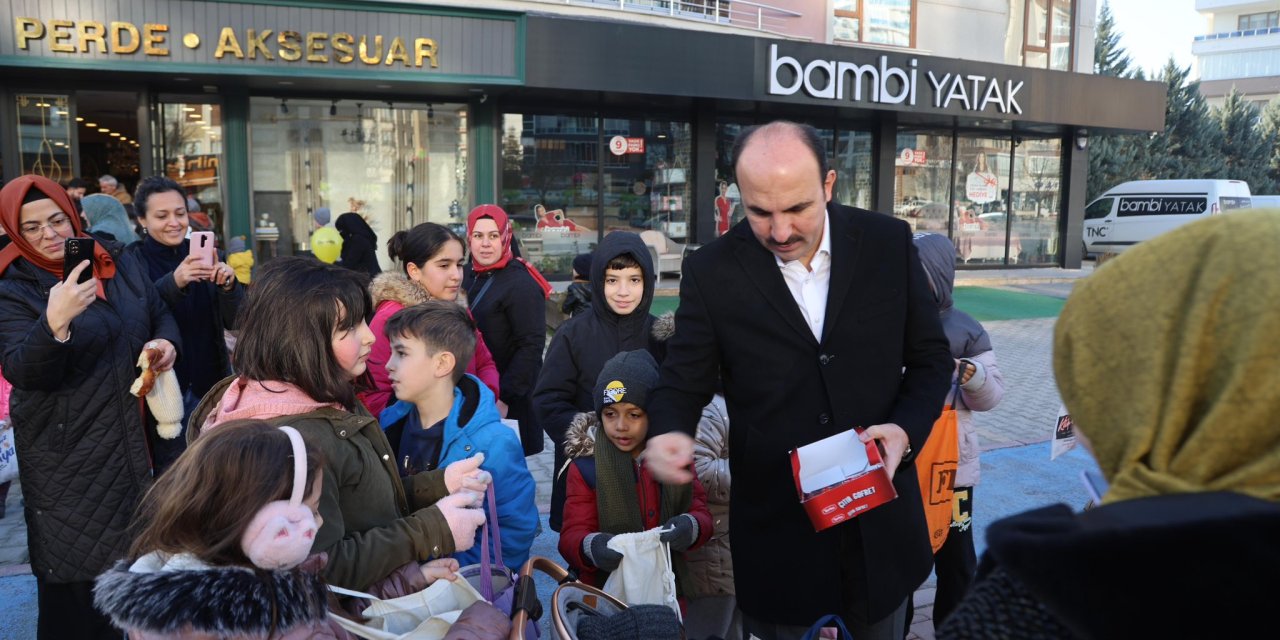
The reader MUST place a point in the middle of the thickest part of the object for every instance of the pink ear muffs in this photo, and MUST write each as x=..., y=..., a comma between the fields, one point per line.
x=282, y=532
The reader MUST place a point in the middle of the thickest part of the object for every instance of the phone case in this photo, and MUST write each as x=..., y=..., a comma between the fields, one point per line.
x=75, y=251
x=203, y=245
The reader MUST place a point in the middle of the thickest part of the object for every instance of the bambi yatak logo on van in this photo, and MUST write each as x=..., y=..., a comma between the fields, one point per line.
x=886, y=84
x=1160, y=204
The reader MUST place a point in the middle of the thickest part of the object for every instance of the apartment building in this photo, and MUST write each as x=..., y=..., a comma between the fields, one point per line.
x=1239, y=49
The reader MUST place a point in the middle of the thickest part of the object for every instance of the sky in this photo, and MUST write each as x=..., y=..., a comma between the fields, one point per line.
x=1152, y=30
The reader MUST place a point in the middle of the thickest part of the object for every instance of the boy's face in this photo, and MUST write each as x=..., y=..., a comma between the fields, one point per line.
x=625, y=424
x=623, y=289
x=414, y=370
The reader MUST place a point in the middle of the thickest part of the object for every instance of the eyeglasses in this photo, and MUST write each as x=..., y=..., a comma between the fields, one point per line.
x=35, y=230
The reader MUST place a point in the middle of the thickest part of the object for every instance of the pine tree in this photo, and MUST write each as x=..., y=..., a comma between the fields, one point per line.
x=1245, y=147
x=1190, y=145
x=1113, y=158
x=1269, y=126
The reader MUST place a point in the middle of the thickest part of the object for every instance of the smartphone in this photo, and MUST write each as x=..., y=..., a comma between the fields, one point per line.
x=75, y=251
x=204, y=246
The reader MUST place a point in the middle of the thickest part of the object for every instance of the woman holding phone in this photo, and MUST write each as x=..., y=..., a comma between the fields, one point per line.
x=69, y=350
x=200, y=289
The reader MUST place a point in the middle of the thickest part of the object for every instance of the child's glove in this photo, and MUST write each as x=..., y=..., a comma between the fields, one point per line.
x=680, y=532
x=446, y=568
x=467, y=474
x=596, y=548
x=461, y=510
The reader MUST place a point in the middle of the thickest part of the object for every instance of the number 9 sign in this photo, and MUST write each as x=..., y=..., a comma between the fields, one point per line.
x=618, y=145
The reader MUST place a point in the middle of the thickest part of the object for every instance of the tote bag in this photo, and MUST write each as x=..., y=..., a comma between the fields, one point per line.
x=425, y=615
x=936, y=466
x=645, y=575
x=494, y=580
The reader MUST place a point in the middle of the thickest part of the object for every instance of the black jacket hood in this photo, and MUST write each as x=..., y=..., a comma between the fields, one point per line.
x=614, y=245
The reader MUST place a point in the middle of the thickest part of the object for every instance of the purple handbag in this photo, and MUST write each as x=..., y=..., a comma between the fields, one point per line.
x=493, y=579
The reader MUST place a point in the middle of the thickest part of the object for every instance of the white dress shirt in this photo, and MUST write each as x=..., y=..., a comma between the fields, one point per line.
x=809, y=286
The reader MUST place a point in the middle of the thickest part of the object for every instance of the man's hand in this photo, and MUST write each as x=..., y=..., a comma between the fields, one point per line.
x=669, y=457
x=893, y=443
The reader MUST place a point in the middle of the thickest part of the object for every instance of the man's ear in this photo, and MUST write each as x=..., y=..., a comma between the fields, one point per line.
x=829, y=183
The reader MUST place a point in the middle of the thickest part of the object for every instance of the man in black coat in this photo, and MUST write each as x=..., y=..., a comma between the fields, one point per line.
x=818, y=318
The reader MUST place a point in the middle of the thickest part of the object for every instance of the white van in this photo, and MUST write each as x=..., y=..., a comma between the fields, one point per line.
x=1266, y=202
x=1140, y=210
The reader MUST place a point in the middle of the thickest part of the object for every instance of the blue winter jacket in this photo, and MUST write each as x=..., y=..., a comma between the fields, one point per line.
x=474, y=426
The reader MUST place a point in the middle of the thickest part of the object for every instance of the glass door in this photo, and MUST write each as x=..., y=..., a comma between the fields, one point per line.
x=188, y=148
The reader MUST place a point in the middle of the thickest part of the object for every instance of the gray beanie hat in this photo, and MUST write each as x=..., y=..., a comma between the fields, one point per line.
x=627, y=377
x=322, y=215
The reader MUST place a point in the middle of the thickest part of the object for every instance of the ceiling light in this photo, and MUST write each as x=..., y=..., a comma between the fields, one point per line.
x=90, y=124
x=79, y=119
x=188, y=108
x=115, y=134
x=103, y=130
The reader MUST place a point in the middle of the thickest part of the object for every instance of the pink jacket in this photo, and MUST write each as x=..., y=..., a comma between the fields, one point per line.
x=392, y=292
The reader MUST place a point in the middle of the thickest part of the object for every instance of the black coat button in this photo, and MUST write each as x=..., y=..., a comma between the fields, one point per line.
x=823, y=418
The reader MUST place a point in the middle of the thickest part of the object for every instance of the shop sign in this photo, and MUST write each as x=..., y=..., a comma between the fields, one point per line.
x=242, y=34
x=982, y=187
x=911, y=156
x=621, y=146
x=879, y=81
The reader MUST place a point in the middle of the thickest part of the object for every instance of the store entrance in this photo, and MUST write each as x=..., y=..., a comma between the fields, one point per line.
x=107, y=138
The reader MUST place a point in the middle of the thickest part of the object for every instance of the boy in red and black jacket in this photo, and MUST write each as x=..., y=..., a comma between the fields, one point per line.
x=610, y=491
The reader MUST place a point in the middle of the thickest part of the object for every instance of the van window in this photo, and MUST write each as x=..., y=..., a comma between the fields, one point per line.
x=1099, y=208
x=1157, y=205
x=1228, y=203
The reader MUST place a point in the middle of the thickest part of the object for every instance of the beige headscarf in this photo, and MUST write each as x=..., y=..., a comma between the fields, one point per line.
x=1168, y=359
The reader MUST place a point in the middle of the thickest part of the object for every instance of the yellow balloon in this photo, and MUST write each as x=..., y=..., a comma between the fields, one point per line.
x=326, y=244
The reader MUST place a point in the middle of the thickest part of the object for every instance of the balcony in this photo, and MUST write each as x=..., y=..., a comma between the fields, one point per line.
x=735, y=13
x=1233, y=6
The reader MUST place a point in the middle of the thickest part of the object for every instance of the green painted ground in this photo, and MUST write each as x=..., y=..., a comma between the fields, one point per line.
x=982, y=303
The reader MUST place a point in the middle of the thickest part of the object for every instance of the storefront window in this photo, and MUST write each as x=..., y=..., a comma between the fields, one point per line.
x=395, y=164
x=852, y=163
x=1037, y=201
x=567, y=178
x=728, y=203
x=922, y=181
x=550, y=186
x=44, y=136
x=190, y=141
x=980, y=216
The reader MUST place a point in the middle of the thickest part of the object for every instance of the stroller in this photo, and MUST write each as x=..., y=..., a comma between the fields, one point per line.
x=579, y=609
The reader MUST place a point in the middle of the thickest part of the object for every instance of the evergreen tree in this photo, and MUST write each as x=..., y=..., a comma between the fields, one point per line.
x=1245, y=147
x=1191, y=143
x=1269, y=126
x=1109, y=58
x=1113, y=158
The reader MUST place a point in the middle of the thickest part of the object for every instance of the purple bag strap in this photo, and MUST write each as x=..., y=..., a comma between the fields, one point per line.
x=491, y=519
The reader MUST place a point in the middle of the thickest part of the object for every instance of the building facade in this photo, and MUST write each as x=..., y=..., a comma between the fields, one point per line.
x=578, y=117
x=1240, y=50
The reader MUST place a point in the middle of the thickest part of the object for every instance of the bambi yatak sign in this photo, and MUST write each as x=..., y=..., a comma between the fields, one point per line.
x=875, y=79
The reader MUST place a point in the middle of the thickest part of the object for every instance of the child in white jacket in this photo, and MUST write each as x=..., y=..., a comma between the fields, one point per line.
x=980, y=388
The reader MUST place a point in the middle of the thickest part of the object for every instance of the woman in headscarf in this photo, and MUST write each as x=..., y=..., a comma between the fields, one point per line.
x=108, y=219
x=69, y=349
x=1168, y=359
x=359, y=244
x=508, y=299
